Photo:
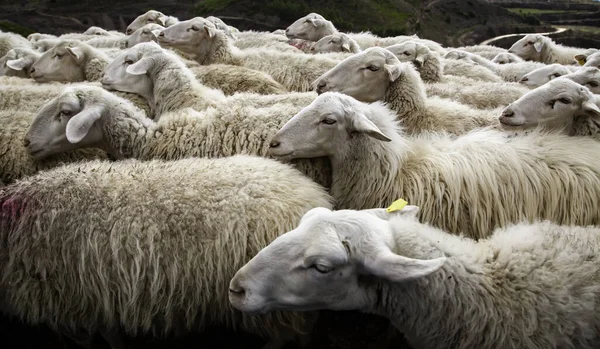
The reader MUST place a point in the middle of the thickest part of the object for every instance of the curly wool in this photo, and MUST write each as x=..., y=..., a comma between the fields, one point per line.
x=8, y=41
x=485, y=95
x=232, y=79
x=474, y=183
x=407, y=97
x=16, y=163
x=530, y=286
x=146, y=245
x=511, y=72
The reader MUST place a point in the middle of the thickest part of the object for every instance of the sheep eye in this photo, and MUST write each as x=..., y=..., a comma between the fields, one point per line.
x=58, y=56
x=194, y=28
x=128, y=61
x=555, y=75
x=328, y=121
x=149, y=20
x=406, y=53
x=373, y=68
x=593, y=84
x=565, y=101
x=323, y=269
x=65, y=113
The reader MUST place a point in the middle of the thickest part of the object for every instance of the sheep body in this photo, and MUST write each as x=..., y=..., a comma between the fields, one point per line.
x=470, y=184
x=511, y=72
x=232, y=79
x=145, y=246
x=541, y=48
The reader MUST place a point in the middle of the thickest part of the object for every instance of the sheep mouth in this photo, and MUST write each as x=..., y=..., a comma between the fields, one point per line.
x=509, y=122
x=36, y=153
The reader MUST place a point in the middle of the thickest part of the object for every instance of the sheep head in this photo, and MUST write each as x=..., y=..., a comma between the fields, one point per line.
x=338, y=42
x=151, y=16
x=17, y=62
x=311, y=27
x=410, y=51
x=530, y=47
x=64, y=62
x=543, y=75
x=365, y=76
x=188, y=35
x=147, y=33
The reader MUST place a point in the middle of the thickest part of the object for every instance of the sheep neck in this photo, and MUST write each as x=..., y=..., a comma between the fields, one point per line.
x=125, y=132
x=218, y=50
x=382, y=160
x=406, y=96
x=431, y=70
x=95, y=65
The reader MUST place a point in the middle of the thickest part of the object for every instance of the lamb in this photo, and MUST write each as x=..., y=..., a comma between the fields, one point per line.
x=338, y=42
x=539, y=48
x=198, y=37
x=546, y=73
x=512, y=72
x=151, y=16
x=528, y=286
x=146, y=246
x=506, y=57
x=593, y=60
x=8, y=41
x=15, y=161
x=377, y=75
x=93, y=117
x=432, y=67
x=313, y=27
x=18, y=61
x=146, y=33
x=470, y=184
x=562, y=105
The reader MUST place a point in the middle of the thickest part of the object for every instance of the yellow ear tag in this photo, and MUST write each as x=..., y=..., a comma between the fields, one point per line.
x=396, y=206
x=581, y=61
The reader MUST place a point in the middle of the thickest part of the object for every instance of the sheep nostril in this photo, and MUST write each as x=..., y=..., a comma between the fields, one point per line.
x=524, y=79
x=508, y=113
x=237, y=291
x=162, y=35
x=32, y=70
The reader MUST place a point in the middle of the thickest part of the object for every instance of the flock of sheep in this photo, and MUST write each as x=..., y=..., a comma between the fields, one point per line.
x=148, y=178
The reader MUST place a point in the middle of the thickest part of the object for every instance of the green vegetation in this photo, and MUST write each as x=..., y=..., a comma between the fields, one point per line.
x=385, y=17
x=534, y=11
x=9, y=26
x=586, y=29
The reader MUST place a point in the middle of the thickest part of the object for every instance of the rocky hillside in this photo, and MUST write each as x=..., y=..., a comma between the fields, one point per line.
x=452, y=22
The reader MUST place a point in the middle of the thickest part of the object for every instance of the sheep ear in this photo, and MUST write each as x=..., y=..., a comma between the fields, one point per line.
x=581, y=59
x=592, y=109
x=162, y=20
x=397, y=268
x=409, y=211
x=394, y=71
x=314, y=211
x=17, y=64
x=210, y=31
x=140, y=67
x=80, y=124
x=156, y=33
x=76, y=52
x=345, y=47
x=538, y=45
x=364, y=125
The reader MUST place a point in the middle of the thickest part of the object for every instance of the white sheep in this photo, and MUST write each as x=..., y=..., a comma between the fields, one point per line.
x=39, y=36
x=145, y=33
x=507, y=57
x=588, y=77
x=18, y=61
x=528, y=286
x=93, y=30
x=338, y=42
x=429, y=64
x=540, y=48
x=209, y=46
x=313, y=27
x=561, y=105
x=593, y=60
x=512, y=72
x=546, y=73
x=16, y=162
x=376, y=74
x=219, y=24
x=151, y=16
x=88, y=116
x=469, y=184
x=485, y=51
x=8, y=41
x=146, y=246
x=253, y=39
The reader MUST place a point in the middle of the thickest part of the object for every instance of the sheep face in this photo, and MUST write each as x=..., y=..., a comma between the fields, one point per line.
x=311, y=27
x=544, y=74
x=324, y=128
x=593, y=60
x=67, y=122
x=410, y=51
x=318, y=264
x=63, y=62
x=151, y=16
x=588, y=77
x=529, y=47
x=365, y=76
x=332, y=43
x=147, y=33
x=506, y=58
x=188, y=35
x=17, y=62
x=118, y=77
x=96, y=31
x=554, y=106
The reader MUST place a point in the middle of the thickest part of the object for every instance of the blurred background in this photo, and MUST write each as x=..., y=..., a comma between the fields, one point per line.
x=450, y=22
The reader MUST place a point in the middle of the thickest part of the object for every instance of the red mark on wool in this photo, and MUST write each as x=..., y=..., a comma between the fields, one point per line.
x=11, y=209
